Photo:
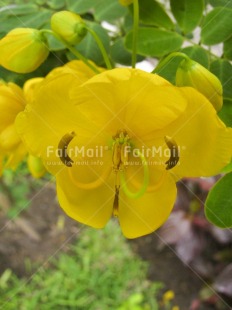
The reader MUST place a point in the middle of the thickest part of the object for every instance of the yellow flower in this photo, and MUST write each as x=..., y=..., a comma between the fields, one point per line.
x=125, y=2
x=69, y=26
x=191, y=73
x=169, y=295
x=12, y=101
x=23, y=50
x=117, y=142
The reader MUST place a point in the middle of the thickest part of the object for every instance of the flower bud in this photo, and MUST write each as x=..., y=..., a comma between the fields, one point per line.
x=125, y=2
x=69, y=26
x=191, y=73
x=35, y=166
x=23, y=50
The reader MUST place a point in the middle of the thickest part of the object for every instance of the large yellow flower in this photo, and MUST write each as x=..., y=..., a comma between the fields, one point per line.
x=117, y=142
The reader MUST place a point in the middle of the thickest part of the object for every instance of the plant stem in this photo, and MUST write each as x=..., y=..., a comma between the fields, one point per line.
x=72, y=50
x=135, y=32
x=164, y=61
x=101, y=47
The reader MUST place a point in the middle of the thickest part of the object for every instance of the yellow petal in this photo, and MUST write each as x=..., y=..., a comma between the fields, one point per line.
x=205, y=142
x=92, y=207
x=15, y=157
x=52, y=115
x=125, y=98
x=9, y=138
x=12, y=101
x=31, y=87
x=144, y=215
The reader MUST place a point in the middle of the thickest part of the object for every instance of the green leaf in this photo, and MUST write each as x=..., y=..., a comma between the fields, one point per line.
x=198, y=54
x=18, y=9
x=225, y=113
x=223, y=70
x=31, y=21
x=106, y=10
x=154, y=42
x=169, y=70
x=217, y=26
x=120, y=54
x=89, y=48
x=152, y=13
x=80, y=6
x=219, y=203
x=56, y=4
x=227, y=48
x=222, y=3
x=187, y=13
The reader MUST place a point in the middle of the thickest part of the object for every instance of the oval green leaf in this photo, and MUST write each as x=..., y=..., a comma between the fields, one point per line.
x=35, y=20
x=227, y=48
x=154, y=42
x=217, y=26
x=106, y=10
x=80, y=6
x=225, y=113
x=169, y=70
x=223, y=70
x=218, y=205
x=120, y=54
x=18, y=9
x=187, y=13
x=153, y=14
x=222, y=3
x=198, y=54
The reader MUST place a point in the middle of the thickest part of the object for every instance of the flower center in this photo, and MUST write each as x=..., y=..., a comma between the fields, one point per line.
x=121, y=149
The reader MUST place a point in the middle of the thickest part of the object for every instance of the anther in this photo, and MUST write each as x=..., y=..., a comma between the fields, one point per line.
x=174, y=153
x=63, y=146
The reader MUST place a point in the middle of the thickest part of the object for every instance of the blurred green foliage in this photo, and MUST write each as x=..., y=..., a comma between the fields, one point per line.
x=99, y=272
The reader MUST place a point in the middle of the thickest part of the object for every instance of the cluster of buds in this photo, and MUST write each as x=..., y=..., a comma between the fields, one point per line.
x=23, y=50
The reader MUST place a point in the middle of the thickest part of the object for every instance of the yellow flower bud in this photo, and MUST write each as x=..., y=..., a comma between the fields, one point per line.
x=69, y=26
x=125, y=2
x=191, y=73
x=35, y=166
x=23, y=50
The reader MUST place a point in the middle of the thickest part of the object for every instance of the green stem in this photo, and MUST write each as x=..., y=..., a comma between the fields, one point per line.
x=101, y=47
x=135, y=32
x=72, y=50
x=166, y=60
x=145, y=180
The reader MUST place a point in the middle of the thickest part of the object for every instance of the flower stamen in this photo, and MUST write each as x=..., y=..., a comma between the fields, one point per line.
x=145, y=183
x=116, y=201
x=63, y=146
x=174, y=153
